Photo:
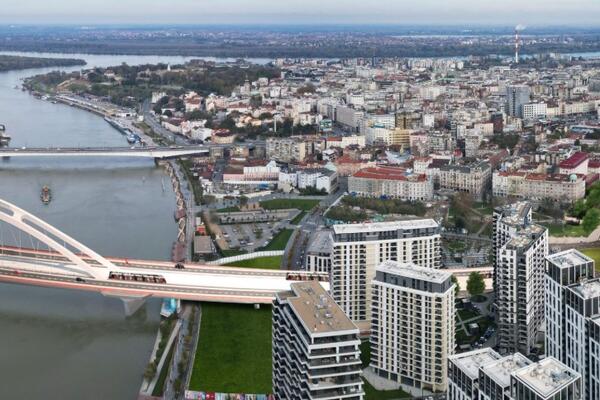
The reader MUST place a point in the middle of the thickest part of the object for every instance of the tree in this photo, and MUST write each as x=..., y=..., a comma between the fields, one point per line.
x=591, y=220
x=475, y=284
x=243, y=201
x=579, y=208
x=455, y=281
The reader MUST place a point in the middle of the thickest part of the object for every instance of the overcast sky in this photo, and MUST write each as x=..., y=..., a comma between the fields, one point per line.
x=400, y=12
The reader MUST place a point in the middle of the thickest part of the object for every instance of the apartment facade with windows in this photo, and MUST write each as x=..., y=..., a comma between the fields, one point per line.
x=520, y=250
x=315, y=347
x=412, y=325
x=357, y=249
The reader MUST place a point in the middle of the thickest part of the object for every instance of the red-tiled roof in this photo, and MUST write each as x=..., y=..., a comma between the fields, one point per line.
x=574, y=161
x=387, y=173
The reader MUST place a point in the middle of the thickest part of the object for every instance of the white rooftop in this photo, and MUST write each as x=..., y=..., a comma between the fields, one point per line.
x=569, y=258
x=587, y=289
x=385, y=226
x=411, y=270
x=547, y=376
x=470, y=361
x=499, y=371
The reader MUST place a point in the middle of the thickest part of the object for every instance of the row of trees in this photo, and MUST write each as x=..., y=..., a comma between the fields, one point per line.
x=386, y=206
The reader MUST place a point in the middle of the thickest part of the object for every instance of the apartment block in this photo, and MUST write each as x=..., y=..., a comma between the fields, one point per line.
x=485, y=375
x=391, y=182
x=474, y=179
x=357, y=249
x=316, y=352
x=286, y=149
x=562, y=270
x=520, y=250
x=559, y=187
x=412, y=325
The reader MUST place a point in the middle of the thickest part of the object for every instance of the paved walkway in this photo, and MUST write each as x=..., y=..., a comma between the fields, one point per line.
x=383, y=384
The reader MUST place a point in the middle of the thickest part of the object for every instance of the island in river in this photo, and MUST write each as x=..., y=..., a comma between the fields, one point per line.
x=10, y=63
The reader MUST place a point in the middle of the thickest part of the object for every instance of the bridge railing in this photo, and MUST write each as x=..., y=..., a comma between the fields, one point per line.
x=248, y=256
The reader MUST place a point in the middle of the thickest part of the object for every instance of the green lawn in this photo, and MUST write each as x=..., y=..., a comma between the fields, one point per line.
x=593, y=253
x=566, y=230
x=228, y=209
x=298, y=218
x=234, y=350
x=272, y=262
x=232, y=252
x=374, y=394
x=467, y=314
x=279, y=241
x=484, y=208
x=279, y=204
x=456, y=246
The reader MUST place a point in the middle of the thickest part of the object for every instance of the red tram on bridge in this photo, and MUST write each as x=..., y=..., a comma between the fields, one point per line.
x=124, y=276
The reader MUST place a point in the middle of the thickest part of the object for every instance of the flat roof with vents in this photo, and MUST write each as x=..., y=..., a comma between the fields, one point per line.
x=569, y=258
x=547, y=376
x=470, y=361
x=317, y=310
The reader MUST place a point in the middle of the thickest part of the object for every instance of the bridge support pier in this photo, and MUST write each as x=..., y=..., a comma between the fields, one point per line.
x=131, y=304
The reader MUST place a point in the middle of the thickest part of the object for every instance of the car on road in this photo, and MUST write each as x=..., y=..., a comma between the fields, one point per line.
x=78, y=279
x=179, y=266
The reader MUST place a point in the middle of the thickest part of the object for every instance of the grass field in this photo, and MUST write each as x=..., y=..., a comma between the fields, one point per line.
x=278, y=204
x=566, y=230
x=272, y=262
x=595, y=254
x=232, y=252
x=279, y=241
x=234, y=350
x=298, y=218
x=228, y=209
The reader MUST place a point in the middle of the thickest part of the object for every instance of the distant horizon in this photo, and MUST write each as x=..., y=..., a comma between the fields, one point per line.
x=457, y=26
x=347, y=12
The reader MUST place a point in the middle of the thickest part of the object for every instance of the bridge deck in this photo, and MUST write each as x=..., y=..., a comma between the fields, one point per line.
x=195, y=282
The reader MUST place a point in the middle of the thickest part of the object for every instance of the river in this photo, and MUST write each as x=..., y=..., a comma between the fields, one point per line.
x=59, y=344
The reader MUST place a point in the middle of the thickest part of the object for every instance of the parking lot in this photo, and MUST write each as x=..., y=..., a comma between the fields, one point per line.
x=250, y=237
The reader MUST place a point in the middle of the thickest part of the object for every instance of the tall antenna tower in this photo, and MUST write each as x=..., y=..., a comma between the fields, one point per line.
x=518, y=28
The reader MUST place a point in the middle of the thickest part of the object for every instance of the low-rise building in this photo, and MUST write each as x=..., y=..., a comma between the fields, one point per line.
x=564, y=188
x=318, y=253
x=474, y=179
x=391, y=182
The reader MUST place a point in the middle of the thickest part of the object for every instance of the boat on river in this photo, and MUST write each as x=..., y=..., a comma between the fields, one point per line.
x=46, y=195
x=4, y=137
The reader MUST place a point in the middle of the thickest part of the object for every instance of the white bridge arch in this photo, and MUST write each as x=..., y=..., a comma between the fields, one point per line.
x=41, y=230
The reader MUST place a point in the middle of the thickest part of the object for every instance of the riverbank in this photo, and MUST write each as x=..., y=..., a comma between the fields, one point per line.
x=15, y=63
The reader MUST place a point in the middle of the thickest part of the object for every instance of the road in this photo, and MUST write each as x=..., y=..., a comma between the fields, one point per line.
x=159, y=129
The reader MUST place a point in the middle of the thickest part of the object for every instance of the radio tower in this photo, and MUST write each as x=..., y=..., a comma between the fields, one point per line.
x=516, y=45
x=518, y=28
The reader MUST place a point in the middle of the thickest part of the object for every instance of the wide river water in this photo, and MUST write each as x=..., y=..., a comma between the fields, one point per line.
x=59, y=344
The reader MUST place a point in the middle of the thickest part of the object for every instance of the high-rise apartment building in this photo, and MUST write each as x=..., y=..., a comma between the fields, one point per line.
x=316, y=352
x=520, y=250
x=573, y=316
x=581, y=327
x=516, y=97
x=412, y=326
x=358, y=248
x=562, y=270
